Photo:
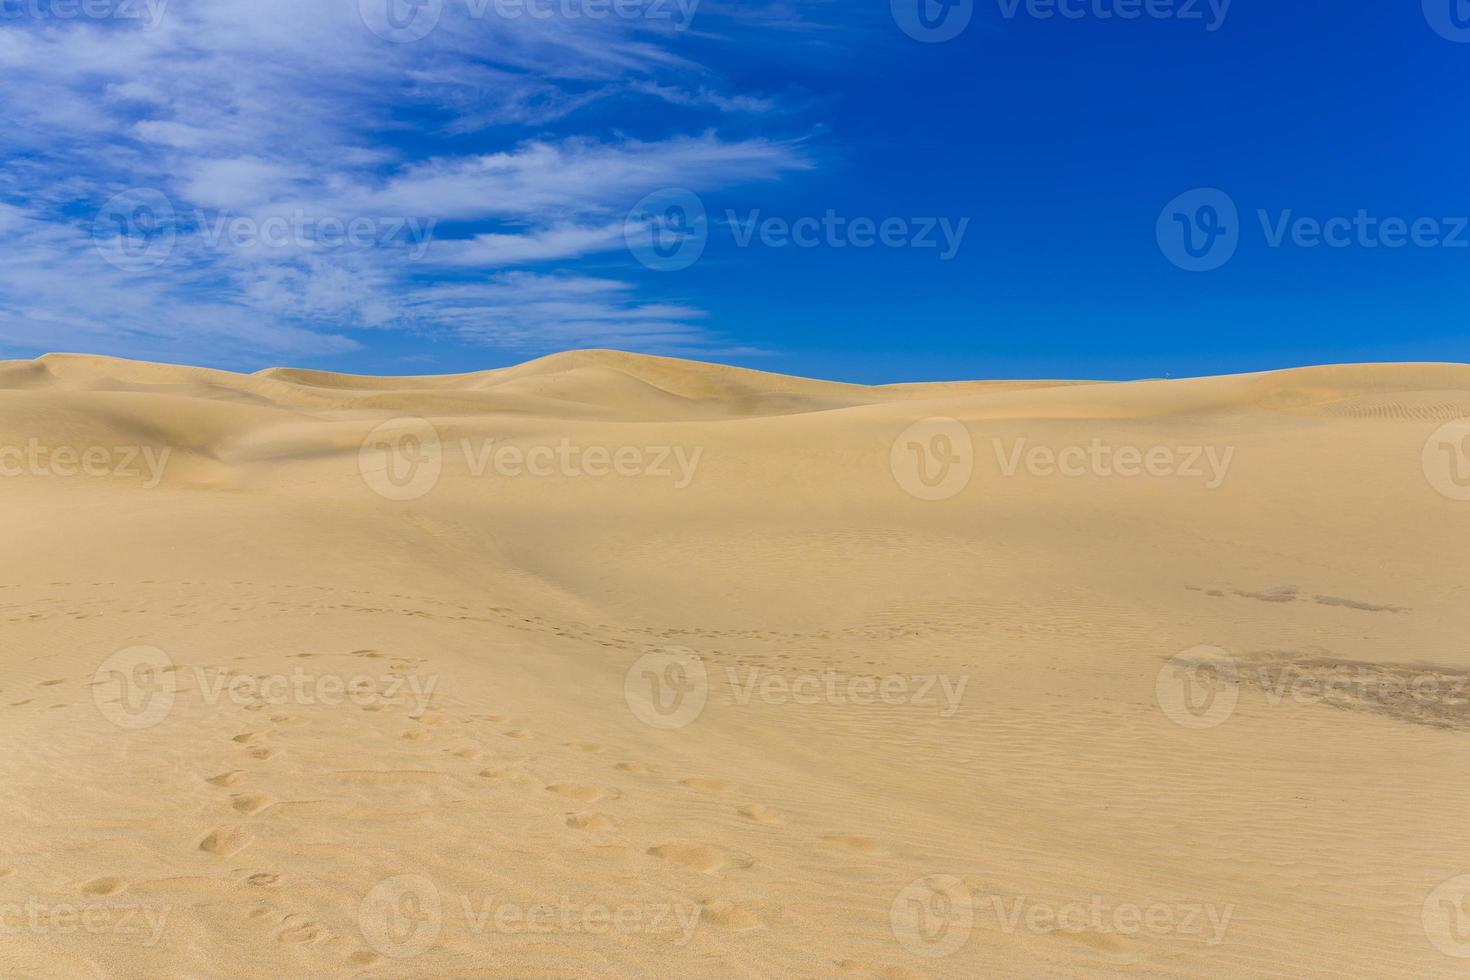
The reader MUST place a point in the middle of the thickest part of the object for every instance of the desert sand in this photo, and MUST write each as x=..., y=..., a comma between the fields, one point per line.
x=618, y=666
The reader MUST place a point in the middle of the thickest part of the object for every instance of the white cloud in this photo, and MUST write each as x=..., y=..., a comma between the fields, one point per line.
x=495, y=250
x=273, y=107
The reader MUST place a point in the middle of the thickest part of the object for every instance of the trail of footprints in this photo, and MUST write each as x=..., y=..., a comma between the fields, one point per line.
x=245, y=801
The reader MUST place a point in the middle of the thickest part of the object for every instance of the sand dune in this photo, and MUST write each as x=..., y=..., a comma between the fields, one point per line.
x=611, y=665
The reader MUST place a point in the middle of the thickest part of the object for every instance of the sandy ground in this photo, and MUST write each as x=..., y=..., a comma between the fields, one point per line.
x=627, y=667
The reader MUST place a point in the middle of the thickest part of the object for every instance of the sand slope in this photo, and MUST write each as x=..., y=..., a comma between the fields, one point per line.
x=518, y=791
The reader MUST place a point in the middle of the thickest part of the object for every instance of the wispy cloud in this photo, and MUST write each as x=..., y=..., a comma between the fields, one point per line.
x=282, y=114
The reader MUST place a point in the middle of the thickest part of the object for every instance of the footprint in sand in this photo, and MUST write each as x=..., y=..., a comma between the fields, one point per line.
x=584, y=794
x=225, y=841
x=250, y=805
x=417, y=736
x=509, y=774
x=632, y=767
x=519, y=733
x=248, y=738
x=263, y=879
x=52, y=683
x=299, y=929
x=364, y=958
x=727, y=915
x=590, y=821
x=262, y=753
x=227, y=778
x=709, y=785
x=696, y=857
x=760, y=813
x=104, y=886
x=592, y=747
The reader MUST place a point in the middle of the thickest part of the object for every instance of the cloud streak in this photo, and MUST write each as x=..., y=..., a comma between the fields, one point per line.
x=254, y=110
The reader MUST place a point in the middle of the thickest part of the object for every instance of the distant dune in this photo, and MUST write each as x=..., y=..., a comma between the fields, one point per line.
x=627, y=666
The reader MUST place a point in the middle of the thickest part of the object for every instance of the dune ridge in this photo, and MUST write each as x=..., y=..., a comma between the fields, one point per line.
x=672, y=668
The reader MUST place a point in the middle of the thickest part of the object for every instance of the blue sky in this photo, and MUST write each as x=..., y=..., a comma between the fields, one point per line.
x=468, y=183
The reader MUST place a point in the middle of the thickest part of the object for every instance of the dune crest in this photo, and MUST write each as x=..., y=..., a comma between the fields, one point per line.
x=623, y=666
